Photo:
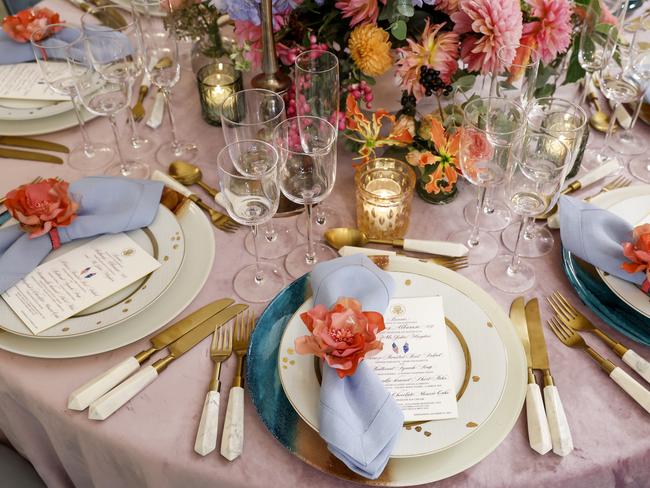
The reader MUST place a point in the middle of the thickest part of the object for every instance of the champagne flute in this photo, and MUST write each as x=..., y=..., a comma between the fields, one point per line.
x=534, y=180
x=252, y=115
x=307, y=150
x=62, y=61
x=640, y=166
x=248, y=179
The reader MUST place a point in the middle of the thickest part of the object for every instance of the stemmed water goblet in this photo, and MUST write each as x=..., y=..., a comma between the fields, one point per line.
x=307, y=150
x=316, y=80
x=252, y=115
x=248, y=179
x=62, y=60
x=117, y=56
x=490, y=127
x=535, y=177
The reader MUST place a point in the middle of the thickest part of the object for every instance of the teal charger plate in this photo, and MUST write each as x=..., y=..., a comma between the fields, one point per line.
x=599, y=298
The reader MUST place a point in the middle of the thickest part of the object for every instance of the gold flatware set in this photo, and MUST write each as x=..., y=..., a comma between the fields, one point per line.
x=30, y=143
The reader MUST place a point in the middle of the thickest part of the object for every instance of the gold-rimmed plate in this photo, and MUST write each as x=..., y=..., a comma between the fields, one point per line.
x=477, y=358
x=163, y=239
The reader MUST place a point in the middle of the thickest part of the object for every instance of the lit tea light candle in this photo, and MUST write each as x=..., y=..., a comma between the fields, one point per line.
x=216, y=82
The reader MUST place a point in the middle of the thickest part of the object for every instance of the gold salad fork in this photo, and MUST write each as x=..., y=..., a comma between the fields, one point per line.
x=219, y=220
x=220, y=350
x=232, y=440
x=570, y=316
x=138, y=109
x=572, y=339
x=615, y=184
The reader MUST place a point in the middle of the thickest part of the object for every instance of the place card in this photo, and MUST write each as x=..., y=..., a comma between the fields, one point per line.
x=72, y=282
x=25, y=81
x=414, y=363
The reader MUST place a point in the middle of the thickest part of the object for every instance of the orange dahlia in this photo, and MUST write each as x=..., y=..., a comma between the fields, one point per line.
x=370, y=49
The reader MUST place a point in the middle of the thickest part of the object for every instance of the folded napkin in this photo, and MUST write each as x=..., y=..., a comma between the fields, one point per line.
x=107, y=205
x=596, y=236
x=359, y=419
x=12, y=52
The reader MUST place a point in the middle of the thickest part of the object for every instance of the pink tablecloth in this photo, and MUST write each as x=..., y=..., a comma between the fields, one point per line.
x=150, y=441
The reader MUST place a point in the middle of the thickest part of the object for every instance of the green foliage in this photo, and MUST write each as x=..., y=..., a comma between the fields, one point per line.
x=398, y=29
x=464, y=83
x=575, y=72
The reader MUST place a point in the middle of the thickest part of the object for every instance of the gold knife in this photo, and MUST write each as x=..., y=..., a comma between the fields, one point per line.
x=118, y=396
x=557, y=422
x=539, y=436
x=98, y=386
x=29, y=156
x=33, y=144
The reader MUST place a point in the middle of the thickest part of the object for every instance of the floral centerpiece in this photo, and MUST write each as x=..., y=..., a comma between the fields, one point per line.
x=24, y=24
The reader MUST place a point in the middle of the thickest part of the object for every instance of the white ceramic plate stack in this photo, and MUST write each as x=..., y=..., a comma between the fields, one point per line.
x=34, y=117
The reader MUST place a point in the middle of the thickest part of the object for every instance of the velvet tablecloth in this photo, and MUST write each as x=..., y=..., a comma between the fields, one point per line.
x=150, y=441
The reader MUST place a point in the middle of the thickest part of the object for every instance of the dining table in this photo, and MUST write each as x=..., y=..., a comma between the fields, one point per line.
x=149, y=442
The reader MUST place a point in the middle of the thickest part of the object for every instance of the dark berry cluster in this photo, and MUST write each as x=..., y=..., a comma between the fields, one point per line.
x=430, y=80
x=408, y=104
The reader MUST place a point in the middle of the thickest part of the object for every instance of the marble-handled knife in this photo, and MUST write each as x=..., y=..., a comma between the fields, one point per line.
x=539, y=435
x=98, y=386
x=557, y=422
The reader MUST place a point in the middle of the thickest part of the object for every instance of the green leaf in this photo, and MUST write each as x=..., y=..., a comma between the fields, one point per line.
x=398, y=29
x=574, y=71
x=388, y=12
x=604, y=28
x=545, y=91
x=405, y=7
x=465, y=83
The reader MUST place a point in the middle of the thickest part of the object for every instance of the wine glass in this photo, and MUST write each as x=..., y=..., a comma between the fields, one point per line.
x=490, y=127
x=252, y=115
x=316, y=80
x=568, y=122
x=307, y=151
x=116, y=55
x=161, y=61
x=534, y=179
x=61, y=61
x=248, y=179
x=640, y=166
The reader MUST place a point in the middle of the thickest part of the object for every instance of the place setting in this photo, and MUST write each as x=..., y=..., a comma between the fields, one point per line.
x=385, y=238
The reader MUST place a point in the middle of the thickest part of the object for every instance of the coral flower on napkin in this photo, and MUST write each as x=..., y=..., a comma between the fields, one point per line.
x=638, y=251
x=41, y=207
x=21, y=26
x=342, y=336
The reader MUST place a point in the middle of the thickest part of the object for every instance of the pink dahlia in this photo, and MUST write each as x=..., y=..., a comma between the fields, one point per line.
x=438, y=50
x=447, y=6
x=361, y=11
x=551, y=34
x=487, y=25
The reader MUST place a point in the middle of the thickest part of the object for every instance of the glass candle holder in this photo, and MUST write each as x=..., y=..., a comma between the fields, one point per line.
x=384, y=189
x=216, y=82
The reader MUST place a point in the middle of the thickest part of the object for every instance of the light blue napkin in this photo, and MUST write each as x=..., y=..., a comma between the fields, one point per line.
x=12, y=52
x=359, y=419
x=596, y=236
x=107, y=205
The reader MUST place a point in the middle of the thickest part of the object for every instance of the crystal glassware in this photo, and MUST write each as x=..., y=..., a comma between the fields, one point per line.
x=316, y=80
x=62, y=62
x=568, y=122
x=117, y=56
x=248, y=179
x=253, y=115
x=307, y=149
x=535, y=177
x=640, y=166
x=490, y=127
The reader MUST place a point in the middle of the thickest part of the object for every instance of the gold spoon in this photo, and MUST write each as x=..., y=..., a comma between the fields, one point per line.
x=599, y=120
x=188, y=174
x=347, y=236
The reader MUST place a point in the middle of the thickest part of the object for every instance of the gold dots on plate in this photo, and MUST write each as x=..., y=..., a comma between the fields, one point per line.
x=175, y=246
x=285, y=359
x=408, y=282
x=129, y=300
x=408, y=427
x=475, y=379
x=98, y=322
x=290, y=351
x=489, y=324
x=471, y=425
x=427, y=433
x=292, y=362
x=166, y=258
x=418, y=429
x=65, y=329
x=284, y=366
x=124, y=310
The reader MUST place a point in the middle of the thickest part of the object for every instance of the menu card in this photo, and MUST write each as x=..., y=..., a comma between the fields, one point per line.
x=25, y=81
x=74, y=281
x=414, y=363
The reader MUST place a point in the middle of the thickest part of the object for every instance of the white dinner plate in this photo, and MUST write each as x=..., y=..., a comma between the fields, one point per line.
x=477, y=358
x=194, y=271
x=47, y=125
x=633, y=206
x=11, y=109
x=163, y=240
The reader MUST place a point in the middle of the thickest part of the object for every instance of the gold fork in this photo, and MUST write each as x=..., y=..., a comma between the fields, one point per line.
x=570, y=316
x=572, y=339
x=219, y=220
x=220, y=350
x=138, y=109
x=451, y=263
x=232, y=440
x=615, y=184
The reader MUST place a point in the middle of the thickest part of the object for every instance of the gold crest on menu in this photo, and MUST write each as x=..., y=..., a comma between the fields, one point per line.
x=128, y=252
x=398, y=310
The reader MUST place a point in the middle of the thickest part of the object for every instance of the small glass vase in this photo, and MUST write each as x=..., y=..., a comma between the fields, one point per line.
x=440, y=198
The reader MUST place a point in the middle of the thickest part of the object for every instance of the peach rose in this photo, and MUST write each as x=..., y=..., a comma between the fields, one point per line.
x=343, y=336
x=638, y=251
x=21, y=26
x=41, y=207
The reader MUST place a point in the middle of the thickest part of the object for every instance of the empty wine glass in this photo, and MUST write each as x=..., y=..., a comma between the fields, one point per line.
x=252, y=115
x=316, y=79
x=307, y=150
x=539, y=166
x=490, y=127
x=116, y=55
x=62, y=60
x=640, y=166
x=248, y=179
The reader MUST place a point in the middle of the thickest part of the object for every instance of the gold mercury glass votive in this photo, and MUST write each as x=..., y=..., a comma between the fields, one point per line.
x=384, y=188
x=216, y=81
